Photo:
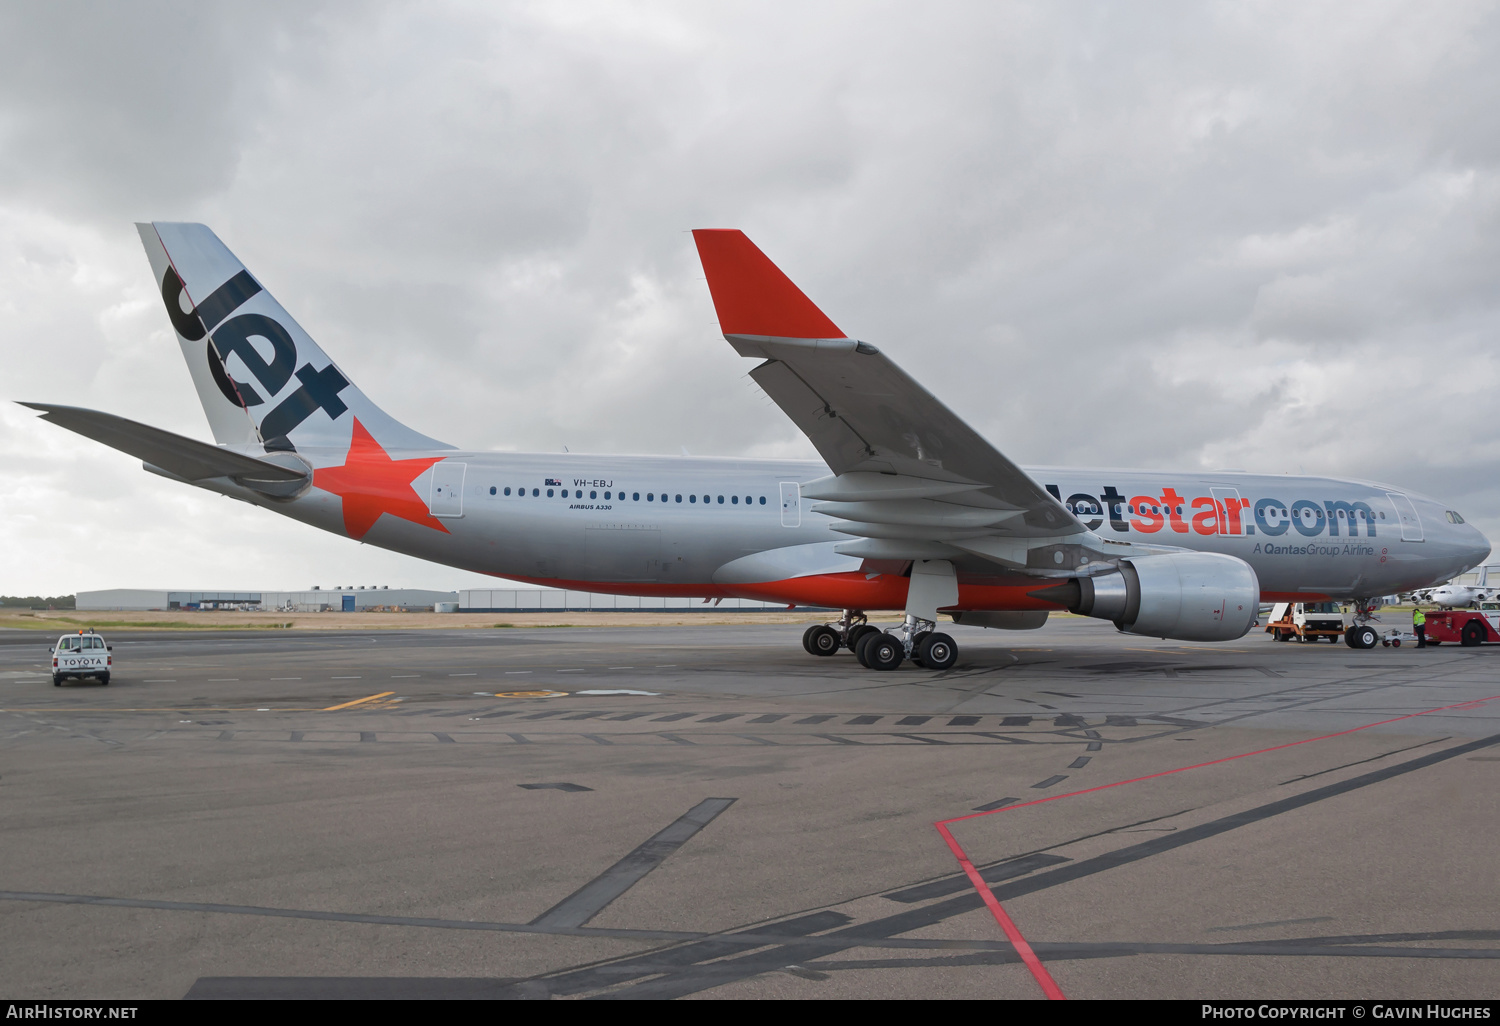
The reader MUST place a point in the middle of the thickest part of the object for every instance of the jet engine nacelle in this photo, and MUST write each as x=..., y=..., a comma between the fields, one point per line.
x=1186, y=596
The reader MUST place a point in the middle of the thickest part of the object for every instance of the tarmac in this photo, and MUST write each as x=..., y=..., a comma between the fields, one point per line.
x=708, y=811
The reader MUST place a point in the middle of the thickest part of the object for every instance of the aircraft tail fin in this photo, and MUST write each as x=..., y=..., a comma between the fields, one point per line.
x=262, y=380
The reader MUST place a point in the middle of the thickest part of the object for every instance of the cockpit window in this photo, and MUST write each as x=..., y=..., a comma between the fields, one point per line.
x=1454, y=518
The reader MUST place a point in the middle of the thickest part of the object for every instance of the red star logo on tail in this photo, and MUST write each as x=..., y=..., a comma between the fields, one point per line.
x=371, y=483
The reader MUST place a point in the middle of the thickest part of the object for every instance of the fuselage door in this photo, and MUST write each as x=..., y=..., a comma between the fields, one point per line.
x=791, y=504
x=1411, y=524
x=1231, y=510
x=448, y=489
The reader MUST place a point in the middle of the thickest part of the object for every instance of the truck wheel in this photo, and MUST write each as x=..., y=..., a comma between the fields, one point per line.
x=56, y=680
x=104, y=679
x=1473, y=635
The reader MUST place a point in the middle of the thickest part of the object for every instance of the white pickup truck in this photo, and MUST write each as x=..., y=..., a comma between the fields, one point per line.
x=81, y=655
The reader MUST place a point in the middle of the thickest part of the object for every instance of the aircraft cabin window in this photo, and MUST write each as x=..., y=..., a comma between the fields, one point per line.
x=507, y=489
x=593, y=495
x=492, y=489
x=721, y=499
x=650, y=496
x=735, y=499
x=679, y=498
x=635, y=496
x=549, y=493
x=692, y=498
x=762, y=500
x=535, y=492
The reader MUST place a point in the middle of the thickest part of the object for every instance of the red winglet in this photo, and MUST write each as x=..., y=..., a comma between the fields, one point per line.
x=751, y=294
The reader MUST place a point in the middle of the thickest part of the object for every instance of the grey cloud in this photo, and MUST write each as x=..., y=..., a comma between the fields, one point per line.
x=1173, y=235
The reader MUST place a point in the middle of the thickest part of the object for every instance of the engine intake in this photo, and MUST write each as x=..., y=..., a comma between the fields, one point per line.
x=1185, y=596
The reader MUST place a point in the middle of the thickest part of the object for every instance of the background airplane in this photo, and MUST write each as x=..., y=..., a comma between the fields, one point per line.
x=1457, y=594
x=910, y=509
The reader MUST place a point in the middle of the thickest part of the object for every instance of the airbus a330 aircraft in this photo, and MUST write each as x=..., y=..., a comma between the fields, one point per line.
x=910, y=508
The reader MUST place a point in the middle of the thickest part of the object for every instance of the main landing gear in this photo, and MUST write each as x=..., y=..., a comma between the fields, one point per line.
x=915, y=639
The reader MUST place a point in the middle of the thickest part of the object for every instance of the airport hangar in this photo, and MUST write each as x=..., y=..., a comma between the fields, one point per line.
x=367, y=599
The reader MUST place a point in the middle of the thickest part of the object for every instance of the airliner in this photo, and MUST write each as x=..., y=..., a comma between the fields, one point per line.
x=908, y=509
x=1454, y=595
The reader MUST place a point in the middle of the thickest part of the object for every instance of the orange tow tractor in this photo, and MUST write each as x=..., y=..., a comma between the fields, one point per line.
x=1467, y=627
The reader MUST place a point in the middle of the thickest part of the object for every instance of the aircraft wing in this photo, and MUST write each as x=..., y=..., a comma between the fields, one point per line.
x=911, y=479
x=182, y=457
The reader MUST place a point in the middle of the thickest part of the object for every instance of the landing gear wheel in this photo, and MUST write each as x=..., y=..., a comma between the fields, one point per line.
x=1363, y=637
x=916, y=647
x=938, y=652
x=865, y=638
x=807, y=639
x=821, y=641
x=883, y=652
x=858, y=634
x=1473, y=635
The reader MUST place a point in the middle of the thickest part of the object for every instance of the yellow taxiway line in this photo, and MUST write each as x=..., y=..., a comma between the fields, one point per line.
x=358, y=701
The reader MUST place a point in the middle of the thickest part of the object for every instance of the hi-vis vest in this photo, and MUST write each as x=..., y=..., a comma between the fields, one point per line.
x=1418, y=618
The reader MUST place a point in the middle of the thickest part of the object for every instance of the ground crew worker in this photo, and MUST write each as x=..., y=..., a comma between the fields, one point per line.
x=1419, y=626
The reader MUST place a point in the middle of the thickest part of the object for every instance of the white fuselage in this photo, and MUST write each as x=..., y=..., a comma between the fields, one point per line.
x=647, y=524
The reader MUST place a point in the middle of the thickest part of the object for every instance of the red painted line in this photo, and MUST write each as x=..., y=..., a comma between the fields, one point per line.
x=1013, y=933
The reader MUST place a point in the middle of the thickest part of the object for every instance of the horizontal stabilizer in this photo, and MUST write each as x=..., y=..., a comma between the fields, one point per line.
x=181, y=457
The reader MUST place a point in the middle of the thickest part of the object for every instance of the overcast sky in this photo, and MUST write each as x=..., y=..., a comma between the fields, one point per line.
x=1179, y=236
